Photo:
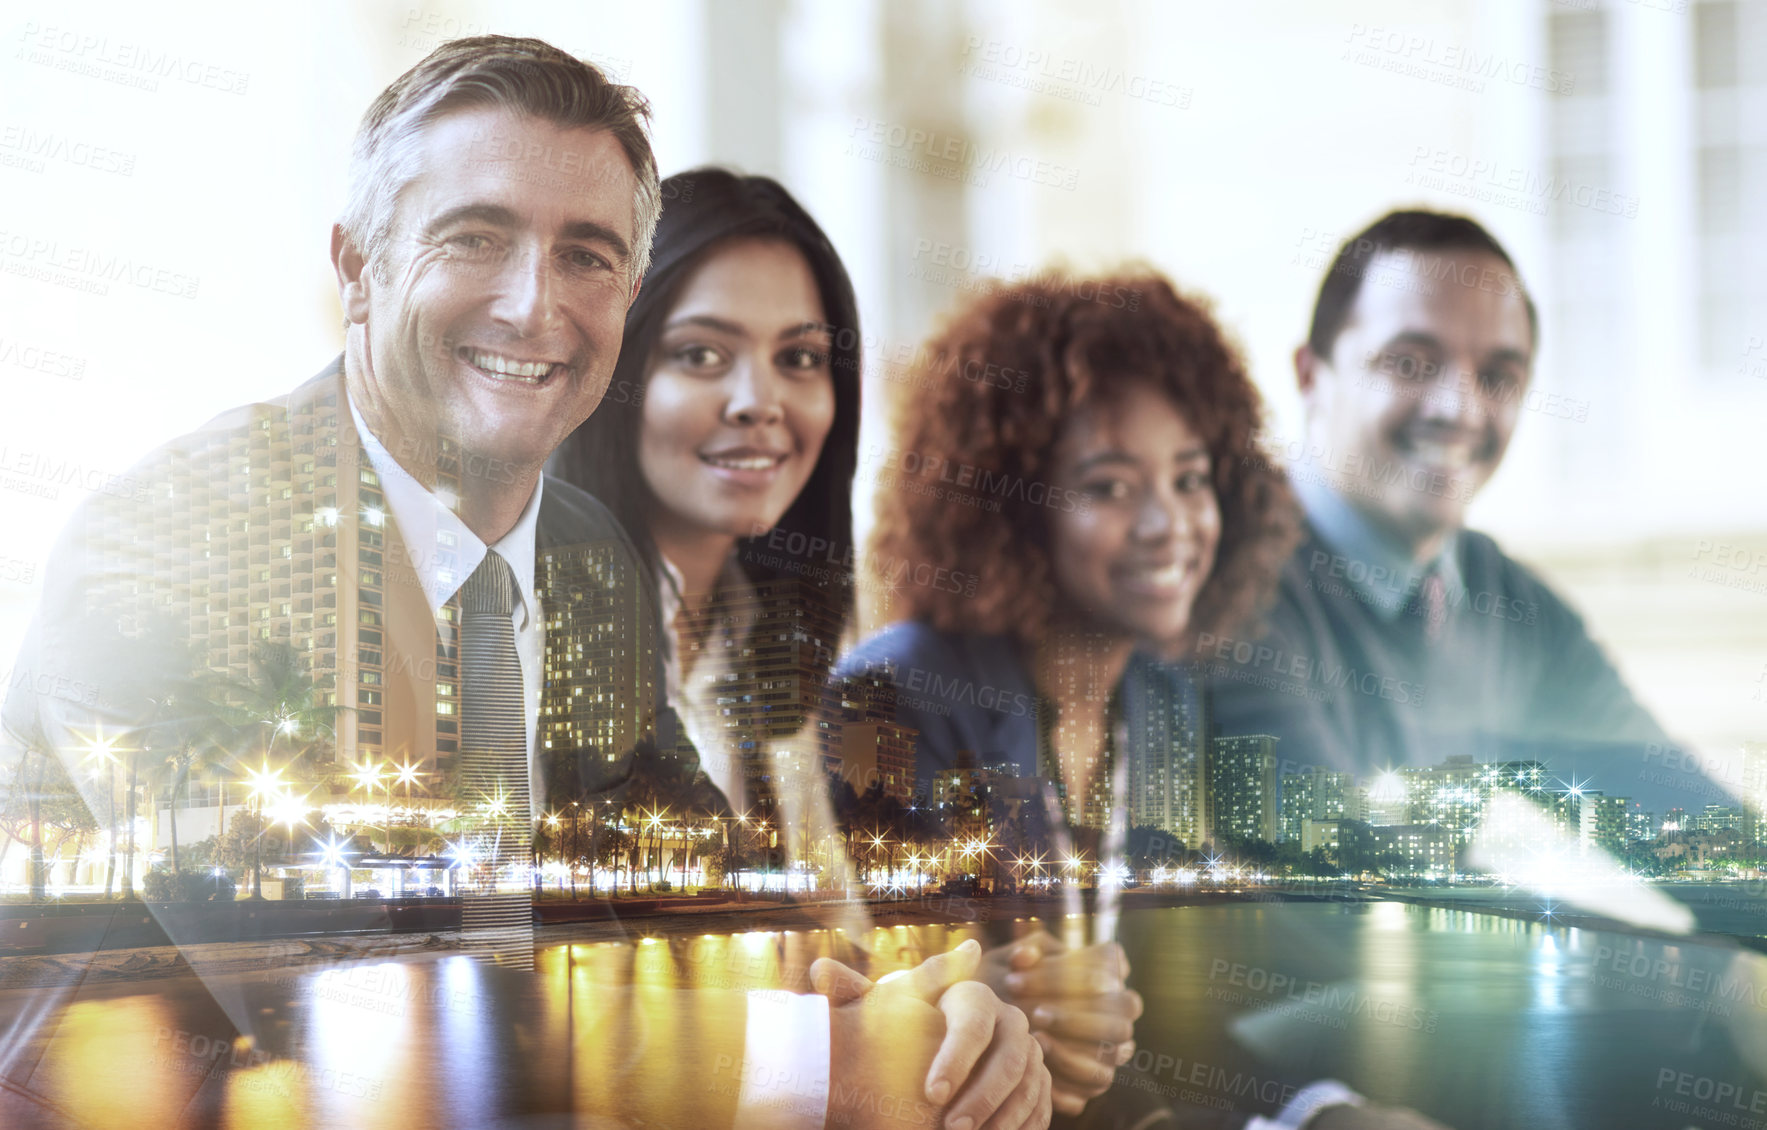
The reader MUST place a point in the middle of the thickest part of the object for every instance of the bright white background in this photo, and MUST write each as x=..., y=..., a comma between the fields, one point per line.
x=1294, y=123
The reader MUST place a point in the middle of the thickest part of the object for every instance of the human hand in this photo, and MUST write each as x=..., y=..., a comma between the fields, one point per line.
x=1081, y=1009
x=987, y=1067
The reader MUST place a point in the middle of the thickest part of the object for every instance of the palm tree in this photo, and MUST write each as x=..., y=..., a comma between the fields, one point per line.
x=279, y=702
x=188, y=741
x=282, y=698
x=567, y=792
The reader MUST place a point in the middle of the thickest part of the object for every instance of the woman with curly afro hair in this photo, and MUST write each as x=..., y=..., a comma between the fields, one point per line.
x=1075, y=481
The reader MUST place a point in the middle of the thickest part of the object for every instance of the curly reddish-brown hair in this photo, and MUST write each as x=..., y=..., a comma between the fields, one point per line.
x=992, y=391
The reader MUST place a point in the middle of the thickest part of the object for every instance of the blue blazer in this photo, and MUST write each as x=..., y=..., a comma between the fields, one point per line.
x=975, y=693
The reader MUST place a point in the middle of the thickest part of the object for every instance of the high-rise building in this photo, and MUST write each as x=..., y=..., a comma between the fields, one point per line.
x=1389, y=799
x=1168, y=782
x=1751, y=792
x=1449, y=795
x=1603, y=825
x=759, y=659
x=1242, y=786
x=1425, y=848
x=1320, y=795
x=1719, y=818
x=599, y=691
x=269, y=527
x=875, y=748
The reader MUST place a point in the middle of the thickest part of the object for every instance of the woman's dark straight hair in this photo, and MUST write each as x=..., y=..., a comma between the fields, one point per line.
x=702, y=208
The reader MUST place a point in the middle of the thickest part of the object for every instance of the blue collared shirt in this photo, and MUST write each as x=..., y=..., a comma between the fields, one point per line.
x=1377, y=565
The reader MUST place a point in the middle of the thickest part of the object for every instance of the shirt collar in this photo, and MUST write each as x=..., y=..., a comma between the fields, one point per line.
x=1377, y=565
x=443, y=551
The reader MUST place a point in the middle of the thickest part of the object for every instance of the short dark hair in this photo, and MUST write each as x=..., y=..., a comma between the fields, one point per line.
x=702, y=210
x=1411, y=230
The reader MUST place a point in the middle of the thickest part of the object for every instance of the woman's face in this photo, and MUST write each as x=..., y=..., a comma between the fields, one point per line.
x=1133, y=555
x=739, y=396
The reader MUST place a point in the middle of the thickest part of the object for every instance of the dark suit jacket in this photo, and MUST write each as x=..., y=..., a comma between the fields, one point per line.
x=1513, y=676
x=268, y=525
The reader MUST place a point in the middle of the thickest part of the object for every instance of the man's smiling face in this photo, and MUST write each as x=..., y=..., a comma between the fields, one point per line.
x=1423, y=387
x=492, y=316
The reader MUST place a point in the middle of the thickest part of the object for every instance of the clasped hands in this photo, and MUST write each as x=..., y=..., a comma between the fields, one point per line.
x=1030, y=1027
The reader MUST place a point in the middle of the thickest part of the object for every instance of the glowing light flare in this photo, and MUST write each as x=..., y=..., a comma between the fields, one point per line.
x=331, y=852
x=368, y=775
x=461, y=853
x=100, y=749
x=264, y=782
x=288, y=810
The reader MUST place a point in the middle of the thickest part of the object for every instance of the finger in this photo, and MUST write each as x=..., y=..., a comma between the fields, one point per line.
x=1010, y=1056
x=1080, y=1067
x=1059, y=979
x=1062, y=1096
x=1040, y=1118
x=1112, y=957
x=972, y=1013
x=1020, y=1109
x=929, y=980
x=1109, y=1017
x=1066, y=1102
x=839, y=983
x=1032, y=948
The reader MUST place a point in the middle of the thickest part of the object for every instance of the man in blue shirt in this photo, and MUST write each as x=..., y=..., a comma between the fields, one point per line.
x=1399, y=636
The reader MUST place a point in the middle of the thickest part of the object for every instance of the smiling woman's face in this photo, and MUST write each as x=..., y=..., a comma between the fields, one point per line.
x=1133, y=558
x=740, y=394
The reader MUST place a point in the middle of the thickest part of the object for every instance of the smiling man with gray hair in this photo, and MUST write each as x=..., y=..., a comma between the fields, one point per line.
x=385, y=533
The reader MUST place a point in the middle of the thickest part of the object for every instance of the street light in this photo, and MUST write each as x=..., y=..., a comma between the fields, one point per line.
x=261, y=782
x=100, y=750
x=369, y=775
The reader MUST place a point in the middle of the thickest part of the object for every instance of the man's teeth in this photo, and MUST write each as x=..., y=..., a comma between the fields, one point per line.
x=743, y=462
x=531, y=371
x=1452, y=455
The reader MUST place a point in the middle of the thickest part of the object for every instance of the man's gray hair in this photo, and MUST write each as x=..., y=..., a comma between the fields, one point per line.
x=523, y=76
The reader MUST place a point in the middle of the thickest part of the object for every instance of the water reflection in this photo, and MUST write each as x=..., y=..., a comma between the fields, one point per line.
x=1478, y=1020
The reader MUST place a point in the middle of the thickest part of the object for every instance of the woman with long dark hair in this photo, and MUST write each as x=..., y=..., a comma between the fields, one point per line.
x=730, y=428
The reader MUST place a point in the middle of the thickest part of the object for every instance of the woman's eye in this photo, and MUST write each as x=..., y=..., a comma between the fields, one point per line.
x=698, y=356
x=804, y=358
x=1192, y=481
x=1114, y=490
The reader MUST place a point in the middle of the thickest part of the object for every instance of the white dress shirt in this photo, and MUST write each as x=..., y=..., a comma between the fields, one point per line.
x=785, y=1070
x=444, y=553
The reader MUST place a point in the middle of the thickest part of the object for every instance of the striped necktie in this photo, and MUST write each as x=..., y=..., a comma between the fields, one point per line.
x=496, y=911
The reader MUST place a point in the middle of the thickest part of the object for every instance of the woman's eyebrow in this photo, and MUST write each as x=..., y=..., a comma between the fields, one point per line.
x=1102, y=457
x=1114, y=456
x=807, y=329
x=708, y=321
